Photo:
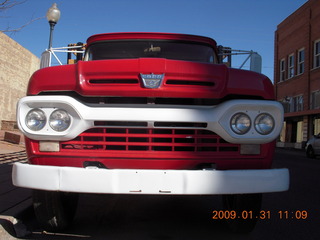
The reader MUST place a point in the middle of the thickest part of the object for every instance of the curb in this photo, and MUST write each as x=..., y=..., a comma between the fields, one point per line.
x=7, y=147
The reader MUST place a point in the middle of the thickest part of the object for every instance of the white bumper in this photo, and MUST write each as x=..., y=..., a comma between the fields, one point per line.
x=129, y=181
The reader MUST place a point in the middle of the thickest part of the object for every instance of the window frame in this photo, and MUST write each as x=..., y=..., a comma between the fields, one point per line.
x=315, y=98
x=282, y=70
x=295, y=103
x=291, y=66
x=301, y=62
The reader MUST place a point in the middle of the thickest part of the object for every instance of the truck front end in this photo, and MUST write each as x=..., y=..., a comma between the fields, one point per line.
x=150, y=113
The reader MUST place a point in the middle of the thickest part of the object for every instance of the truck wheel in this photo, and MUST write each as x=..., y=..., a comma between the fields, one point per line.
x=310, y=152
x=54, y=210
x=247, y=208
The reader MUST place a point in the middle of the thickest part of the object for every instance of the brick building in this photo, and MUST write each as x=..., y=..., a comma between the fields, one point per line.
x=297, y=73
x=16, y=66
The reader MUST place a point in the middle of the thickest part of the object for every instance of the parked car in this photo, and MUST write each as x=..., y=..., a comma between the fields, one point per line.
x=313, y=146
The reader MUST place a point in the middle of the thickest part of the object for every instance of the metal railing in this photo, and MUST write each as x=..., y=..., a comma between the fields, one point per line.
x=255, y=58
x=46, y=56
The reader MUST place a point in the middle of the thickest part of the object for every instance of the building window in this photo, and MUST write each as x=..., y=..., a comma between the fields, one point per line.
x=291, y=66
x=315, y=100
x=301, y=61
x=297, y=104
x=292, y=104
x=316, y=60
x=282, y=70
x=286, y=104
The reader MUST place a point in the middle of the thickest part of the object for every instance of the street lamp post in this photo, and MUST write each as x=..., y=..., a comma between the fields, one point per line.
x=53, y=16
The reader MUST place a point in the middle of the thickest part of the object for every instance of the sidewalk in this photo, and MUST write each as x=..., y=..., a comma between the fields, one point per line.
x=6, y=147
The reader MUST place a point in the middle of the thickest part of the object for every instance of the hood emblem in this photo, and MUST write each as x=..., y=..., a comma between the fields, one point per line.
x=152, y=80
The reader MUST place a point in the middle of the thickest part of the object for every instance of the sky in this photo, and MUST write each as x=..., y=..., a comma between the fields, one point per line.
x=239, y=24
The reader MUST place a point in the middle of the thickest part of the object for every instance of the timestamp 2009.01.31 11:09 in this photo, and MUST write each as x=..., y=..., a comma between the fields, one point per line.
x=263, y=214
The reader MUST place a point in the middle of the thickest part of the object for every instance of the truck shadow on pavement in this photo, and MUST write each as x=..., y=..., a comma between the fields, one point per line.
x=138, y=217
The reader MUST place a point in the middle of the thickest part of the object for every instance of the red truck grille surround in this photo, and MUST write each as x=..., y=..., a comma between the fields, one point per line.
x=153, y=140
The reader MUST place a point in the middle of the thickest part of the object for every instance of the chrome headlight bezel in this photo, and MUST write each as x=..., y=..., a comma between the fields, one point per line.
x=240, y=123
x=59, y=120
x=264, y=123
x=36, y=119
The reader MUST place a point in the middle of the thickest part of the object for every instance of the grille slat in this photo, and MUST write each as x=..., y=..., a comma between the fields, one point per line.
x=131, y=139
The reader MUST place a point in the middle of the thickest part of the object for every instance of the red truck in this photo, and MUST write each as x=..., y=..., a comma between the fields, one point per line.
x=149, y=113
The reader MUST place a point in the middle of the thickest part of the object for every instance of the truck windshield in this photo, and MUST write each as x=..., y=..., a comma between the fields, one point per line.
x=151, y=49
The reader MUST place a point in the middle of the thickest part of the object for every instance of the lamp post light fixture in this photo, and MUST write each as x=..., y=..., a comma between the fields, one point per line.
x=53, y=16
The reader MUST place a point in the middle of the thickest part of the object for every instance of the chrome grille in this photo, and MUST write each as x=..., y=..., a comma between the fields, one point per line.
x=143, y=139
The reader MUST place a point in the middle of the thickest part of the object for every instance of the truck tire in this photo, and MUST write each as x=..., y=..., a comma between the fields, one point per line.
x=54, y=210
x=247, y=208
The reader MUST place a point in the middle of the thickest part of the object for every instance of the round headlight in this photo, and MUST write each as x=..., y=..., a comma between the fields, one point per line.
x=264, y=123
x=59, y=120
x=36, y=119
x=240, y=123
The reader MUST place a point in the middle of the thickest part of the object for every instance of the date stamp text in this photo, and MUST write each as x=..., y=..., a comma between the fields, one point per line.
x=261, y=215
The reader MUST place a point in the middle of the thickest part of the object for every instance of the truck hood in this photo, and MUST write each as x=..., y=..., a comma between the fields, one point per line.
x=123, y=78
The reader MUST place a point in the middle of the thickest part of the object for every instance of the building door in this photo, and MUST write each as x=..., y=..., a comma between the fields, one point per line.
x=294, y=131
